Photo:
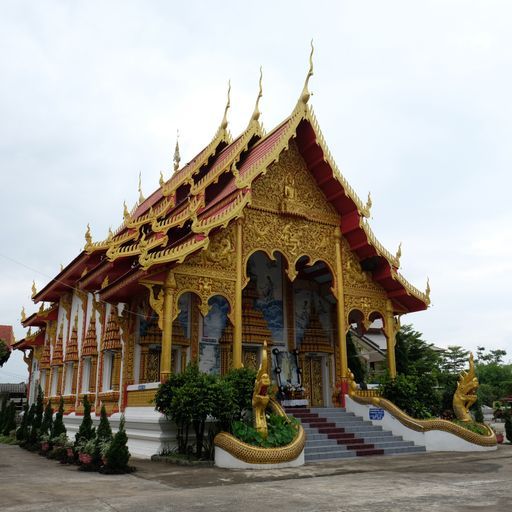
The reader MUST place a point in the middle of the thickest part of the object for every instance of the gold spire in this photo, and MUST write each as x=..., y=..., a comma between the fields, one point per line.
x=141, y=196
x=34, y=289
x=256, y=113
x=224, y=123
x=398, y=254
x=88, y=237
x=126, y=213
x=23, y=314
x=427, y=290
x=161, y=181
x=305, y=95
x=176, y=157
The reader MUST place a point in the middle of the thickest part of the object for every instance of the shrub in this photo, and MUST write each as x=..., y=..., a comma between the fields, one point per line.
x=47, y=423
x=104, y=432
x=21, y=432
x=86, y=430
x=242, y=382
x=281, y=431
x=58, y=427
x=9, y=420
x=117, y=454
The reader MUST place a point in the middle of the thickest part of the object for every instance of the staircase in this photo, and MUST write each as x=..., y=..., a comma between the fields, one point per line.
x=333, y=433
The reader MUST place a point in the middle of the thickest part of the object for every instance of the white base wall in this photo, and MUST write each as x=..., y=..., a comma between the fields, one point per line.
x=148, y=431
x=432, y=440
x=223, y=459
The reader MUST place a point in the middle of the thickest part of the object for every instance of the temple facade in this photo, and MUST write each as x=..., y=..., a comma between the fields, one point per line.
x=258, y=237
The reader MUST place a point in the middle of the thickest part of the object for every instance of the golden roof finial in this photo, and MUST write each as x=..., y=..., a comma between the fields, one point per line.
x=141, y=196
x=224, y=123
x=161, y=181
x=304, y=97
x=41, y=307
x=256, y=113
x=34, y=289
x=88, y=237
x=61, y=267
x=427, y=290
x=176, y=158
x=110, y=234
x=29, y=333
x=126, y=213
x=105, y=282
x=398, y=254
x=23, y=314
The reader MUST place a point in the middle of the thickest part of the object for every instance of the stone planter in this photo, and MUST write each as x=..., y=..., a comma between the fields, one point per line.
x=499, y=437
x=45, y=446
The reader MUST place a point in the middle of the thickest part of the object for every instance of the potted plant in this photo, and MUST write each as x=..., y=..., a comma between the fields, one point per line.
x=104, y=448
x=70, y=453
x=86, y=452
x=45, y=443
x=59, y=443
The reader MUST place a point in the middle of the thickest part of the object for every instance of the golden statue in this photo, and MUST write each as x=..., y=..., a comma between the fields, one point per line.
x=260, y=396
x=465, y=394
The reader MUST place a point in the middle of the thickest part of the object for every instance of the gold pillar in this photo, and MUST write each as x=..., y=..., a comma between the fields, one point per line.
x=389, y=327
x=168, y=312
x=237, y=327
x=340, y=308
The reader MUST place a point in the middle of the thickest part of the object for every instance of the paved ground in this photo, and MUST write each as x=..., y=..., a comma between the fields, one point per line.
x=433, y=481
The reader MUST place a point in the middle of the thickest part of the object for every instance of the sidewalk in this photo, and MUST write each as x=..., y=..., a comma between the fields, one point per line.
x=431, y=481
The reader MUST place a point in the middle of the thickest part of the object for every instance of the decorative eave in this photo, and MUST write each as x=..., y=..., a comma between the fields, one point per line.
x=222, y=217
x=41, y=317
x=31, y=340
x=137, y=248
x=178, y=219
x=173, y=254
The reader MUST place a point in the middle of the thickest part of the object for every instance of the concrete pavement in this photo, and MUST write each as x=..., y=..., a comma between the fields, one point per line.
x=432, y=481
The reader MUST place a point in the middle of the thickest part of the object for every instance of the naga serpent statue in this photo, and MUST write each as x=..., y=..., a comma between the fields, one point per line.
x=465, y=394
x=260, y=396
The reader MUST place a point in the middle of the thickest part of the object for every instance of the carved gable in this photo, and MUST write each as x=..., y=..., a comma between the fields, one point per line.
x=289, y=188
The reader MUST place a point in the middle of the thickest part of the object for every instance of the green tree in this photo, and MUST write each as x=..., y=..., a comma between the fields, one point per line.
x=5, y=352
x=455, y=359
x=58, y=427
x=118, y=454
x=242, y=381
x=414, y=356
x=86, y=430
x=38, y=418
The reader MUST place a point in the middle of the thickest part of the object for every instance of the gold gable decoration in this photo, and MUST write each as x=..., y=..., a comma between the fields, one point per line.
x=112, y=338
x=90, y=346
x=72, y=345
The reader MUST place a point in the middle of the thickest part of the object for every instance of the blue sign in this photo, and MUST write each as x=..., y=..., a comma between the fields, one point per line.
x=141, y=387
x=376, y=413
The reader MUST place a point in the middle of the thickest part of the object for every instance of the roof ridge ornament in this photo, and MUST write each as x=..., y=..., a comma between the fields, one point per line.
x=427, y=290
x=368, y=206
x=224, y=124
x=161, y=181
x=126, y=213
x=177, y=157
x=23, y=314
x=305, y=95
x=88, y=236
x=256, y=113
x=34, y=289
x=141, y=195
x=398, y=254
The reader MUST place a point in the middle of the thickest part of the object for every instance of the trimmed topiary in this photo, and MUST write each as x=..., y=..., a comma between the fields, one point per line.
x=117, y=455
x=58, y=425
x=9, y=420
x=86, y=430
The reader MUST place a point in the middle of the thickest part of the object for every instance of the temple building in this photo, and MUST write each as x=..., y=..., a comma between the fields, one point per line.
x=258, y=237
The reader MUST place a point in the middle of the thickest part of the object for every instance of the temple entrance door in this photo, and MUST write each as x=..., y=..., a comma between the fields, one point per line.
x=313, y=380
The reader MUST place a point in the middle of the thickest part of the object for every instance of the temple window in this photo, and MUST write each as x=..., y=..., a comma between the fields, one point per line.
x=86, y=374
x=55, y=380
x=42, y=382
x=68, y=386
x=108, y=370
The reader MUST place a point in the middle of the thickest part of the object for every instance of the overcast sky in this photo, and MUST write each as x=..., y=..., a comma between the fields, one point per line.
x=413, y=99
